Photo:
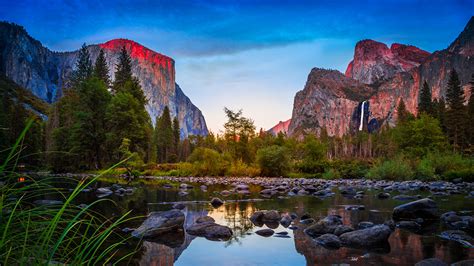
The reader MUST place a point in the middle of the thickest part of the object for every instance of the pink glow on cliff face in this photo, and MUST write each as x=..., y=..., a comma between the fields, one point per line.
x=140, y=52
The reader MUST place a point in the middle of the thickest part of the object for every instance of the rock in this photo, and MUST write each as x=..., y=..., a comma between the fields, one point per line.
x=324, y=226
x=423, y=208
x=103, y=190
x=329, y=241
x=203, y=187
x=355, y=208
x=285, y=220
x=205, y=219
x=179, y=206
x=431, y=262
x=256, y=218
x=127, y=230
x=216, y=202
x=271, y=216
x=284, y=233
x=265, y=232
x=307, y=221
x=366, y=238
x=409, y=225
x=242, y=187
x=365, y=224
x=464, y=263
x=458, y=236
x=225, y=193
x=160, y=222
x=46, y=202
x=405, y=197
x=305, y=216
x=383, y=195
x=210, y=230
x=341, y=229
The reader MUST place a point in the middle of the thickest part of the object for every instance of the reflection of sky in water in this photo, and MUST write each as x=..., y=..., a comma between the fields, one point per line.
x=247, y=248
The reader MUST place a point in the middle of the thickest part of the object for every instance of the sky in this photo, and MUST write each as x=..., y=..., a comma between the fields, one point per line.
x=250, y=55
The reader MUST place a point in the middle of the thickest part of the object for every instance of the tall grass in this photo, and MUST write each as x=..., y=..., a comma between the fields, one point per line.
x=32, y=234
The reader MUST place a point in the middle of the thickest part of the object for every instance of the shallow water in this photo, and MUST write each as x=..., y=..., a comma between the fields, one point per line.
x=248, y=248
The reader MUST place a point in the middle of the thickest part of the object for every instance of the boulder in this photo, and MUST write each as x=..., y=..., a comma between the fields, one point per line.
x=285, y=220
x=324, y=226
x=271, y=216
x=364, y=224
x=383, y=195
x=210, y=230
x=431, y=262
x=464, y=263
x=423, y=208
x=179, y=206
x=160, y=222
x=216, y=202
x=409, y=225
x=46, y=202
x=264, y=232
x=329, y=241
x=341, y=229
x=205, y=219
x=256, y=218
x=374, y=236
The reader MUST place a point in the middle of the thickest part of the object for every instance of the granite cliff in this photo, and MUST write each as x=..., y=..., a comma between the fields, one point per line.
x=45, y=73
x=376, y=79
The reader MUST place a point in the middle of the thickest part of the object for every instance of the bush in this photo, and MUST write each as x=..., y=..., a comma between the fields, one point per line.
x=207, y=161
x=313, y=157
x=351, y=169
x=273, y=161
x=331, y=174
x=465, y=174
x=397, y=169
x=443, y=163
x=239, y=168
x=424, y=171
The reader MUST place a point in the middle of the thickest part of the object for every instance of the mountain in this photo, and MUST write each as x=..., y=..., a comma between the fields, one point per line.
x=374, y=60
x=282, y=126
x=376, y=79
x=31, y=65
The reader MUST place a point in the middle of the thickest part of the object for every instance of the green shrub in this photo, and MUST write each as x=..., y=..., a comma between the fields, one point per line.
x=443, y=163
x=397, y=169
x=424, y=171
x=239, y=168
x=331, y=174
x=209, y=162
x=466, y=174
x=273, y=160
x=350, y=169
x=313, y=156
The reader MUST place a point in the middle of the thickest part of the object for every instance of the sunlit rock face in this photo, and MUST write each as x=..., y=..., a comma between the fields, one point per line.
x=381, y=76
x=374, y=61
x=282, y=127
x=45, y=73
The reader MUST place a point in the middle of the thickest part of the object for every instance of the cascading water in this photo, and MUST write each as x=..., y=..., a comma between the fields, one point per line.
x=361, y=124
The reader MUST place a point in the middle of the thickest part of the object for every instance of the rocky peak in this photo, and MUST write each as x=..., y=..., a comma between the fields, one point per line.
x=464, y=43
x=374, y=61
x=282, y=126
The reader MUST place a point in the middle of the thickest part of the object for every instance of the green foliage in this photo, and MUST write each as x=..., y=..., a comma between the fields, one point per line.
x=403, y=114
x=123, y=71
x=101, y=70
x=425, y=104
x=164, y=136
x=238, y=131
x=456, y=114
x=351, y=169
x=83, y=69
x=445, y=162
x=206, y=161
x=311, y=156
x=239, y=168
x=273, y=160
x=418, y=137
x=424, y=171
x=396, y=169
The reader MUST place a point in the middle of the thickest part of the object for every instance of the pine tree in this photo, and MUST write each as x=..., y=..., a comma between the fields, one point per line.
x=164, y=131
x=123, y=70
x=456, y=113
x=176, y=137
x=471, y=116
x=425, y=104
x=83, y=69
x=101, y=70
x=403, y=114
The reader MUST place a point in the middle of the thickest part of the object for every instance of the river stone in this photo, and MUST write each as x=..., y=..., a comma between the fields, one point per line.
x=341, y=229
x=464, y=263
x=364, y=224
x=324, y=226
x=256, y=218
x=329, y=241
x=409, y=225
x=179, y=206
x=160, y=222
x=431, y=262
x=210, y=230
x=285, y=220
x=383, y=195
x=216, y=202
x=271, y=216
x=204, y=219
x=366, y=238
x=423, y=208
x=264, y=232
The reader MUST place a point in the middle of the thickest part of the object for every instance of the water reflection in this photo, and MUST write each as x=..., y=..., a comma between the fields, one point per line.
x=247, y=248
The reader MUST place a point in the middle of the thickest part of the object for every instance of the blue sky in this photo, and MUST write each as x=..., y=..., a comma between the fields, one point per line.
x=253, y=55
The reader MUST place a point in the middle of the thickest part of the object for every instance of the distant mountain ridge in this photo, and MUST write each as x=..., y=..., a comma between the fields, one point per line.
x=31, y=65
x=378, y=77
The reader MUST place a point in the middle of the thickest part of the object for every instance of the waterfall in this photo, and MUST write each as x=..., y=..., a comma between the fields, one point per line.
x=361, y=125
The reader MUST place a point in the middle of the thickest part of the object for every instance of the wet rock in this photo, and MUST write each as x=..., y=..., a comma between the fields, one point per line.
x=431, y=262
x=383, y=195
x=293, y=227
x=205, y=219
x=182, y=193
x=341, y=229
x=216, y=202
x=329, y=241
x=210, y=230
x=307, y=221
x=242, y=187
x=179, y=206
x=293, y=215
x=286, y=220
x=409, y=225
x=284, y=233
x=103, y=191
x=160, y=222
x=355, y=208
x=324, y=226
x=423, y=208
x=366, y=238
x=271, y=216
x=458, y=236
x=282, y=236
x=203, y=187
x=225, y=193
x=305, y=216
x=365, y=224
x=264, y=232
x=185, y=186
x=391, y=224
x=405, y=197
x=464, y=263
x=46, y=202
x=256, y=218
